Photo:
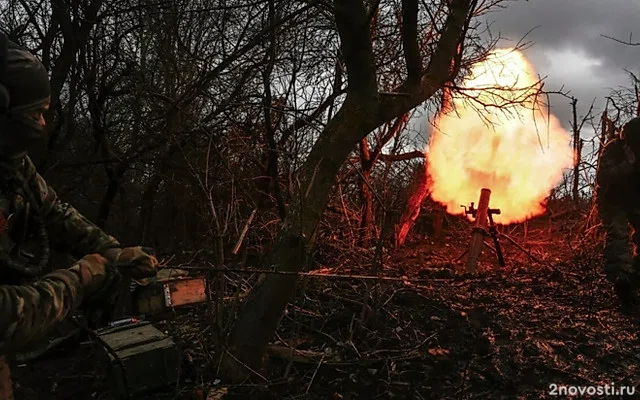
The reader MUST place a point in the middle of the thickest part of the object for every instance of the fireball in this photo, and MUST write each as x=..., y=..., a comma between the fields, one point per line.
x=498, y=134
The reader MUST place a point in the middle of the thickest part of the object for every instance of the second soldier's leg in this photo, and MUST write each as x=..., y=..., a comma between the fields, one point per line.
x=618, y=259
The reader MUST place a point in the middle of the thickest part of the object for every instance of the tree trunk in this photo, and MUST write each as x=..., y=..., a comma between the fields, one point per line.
x=109, y=196
x=363, y=110
x=576, y=151
x=412, y=209
x=268, y=300
x=366, y=197
x=147, y=205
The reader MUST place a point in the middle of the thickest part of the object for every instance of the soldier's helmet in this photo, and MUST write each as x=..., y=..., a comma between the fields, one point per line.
x=24, y=94
x=24, y=81
x=631, y=133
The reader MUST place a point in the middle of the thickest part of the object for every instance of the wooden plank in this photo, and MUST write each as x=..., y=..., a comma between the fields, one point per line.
x=169, y=293
x=185, y=291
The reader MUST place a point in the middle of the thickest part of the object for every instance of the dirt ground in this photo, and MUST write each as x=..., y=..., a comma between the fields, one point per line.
x=423, y=332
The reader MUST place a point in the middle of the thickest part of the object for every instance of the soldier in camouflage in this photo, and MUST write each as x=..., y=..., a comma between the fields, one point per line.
x=29, y=311
x=32, y=298
x=618, y=202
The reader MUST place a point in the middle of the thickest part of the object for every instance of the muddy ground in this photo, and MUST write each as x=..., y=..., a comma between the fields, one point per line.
x=547, y=318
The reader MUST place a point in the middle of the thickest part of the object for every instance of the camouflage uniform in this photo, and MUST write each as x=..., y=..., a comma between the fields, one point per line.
x=32, y=301
x=618, y=202
x=66, y=229
x=28, y=311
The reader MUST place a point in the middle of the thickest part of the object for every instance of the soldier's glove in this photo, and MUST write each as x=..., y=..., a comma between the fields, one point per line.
x=94, y=273
x=137, y=262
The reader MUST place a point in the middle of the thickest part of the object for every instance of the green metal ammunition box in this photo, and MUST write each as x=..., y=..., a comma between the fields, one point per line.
x=141, y=359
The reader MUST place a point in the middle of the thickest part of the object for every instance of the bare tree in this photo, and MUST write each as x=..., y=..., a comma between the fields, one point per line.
x=364, y=109
x=368, y=157
x=190, y=115
x=578, y=145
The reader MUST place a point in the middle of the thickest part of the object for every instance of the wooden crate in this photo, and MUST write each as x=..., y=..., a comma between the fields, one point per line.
x=168, y=293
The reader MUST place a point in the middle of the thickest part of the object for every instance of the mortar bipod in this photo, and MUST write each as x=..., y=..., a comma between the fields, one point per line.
x=493, y=231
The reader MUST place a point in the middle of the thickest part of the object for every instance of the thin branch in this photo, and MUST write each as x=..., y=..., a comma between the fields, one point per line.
x=409, y=29
x=354, y=31
x=437, y=72
x=629, y=42
x=402, y=157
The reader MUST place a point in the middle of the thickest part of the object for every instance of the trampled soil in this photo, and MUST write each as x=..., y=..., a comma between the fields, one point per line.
x=548, y=318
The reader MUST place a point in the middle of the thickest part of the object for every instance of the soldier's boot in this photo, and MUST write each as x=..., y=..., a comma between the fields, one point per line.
x=625, y=284
x=617, y=255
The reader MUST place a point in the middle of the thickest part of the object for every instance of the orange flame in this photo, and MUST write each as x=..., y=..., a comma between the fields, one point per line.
x=498, y=136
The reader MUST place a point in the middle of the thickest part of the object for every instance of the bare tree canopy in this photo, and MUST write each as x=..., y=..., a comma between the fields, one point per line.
x=235, y=134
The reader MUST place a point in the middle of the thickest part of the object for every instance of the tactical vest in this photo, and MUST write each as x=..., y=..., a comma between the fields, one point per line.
x=20, y=221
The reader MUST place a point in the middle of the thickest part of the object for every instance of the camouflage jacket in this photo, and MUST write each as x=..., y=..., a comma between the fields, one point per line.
x=29, y=311
x=67, y=230
x=616, y=179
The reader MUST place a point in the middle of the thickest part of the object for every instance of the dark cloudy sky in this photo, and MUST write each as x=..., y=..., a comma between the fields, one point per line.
x=568, y=48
